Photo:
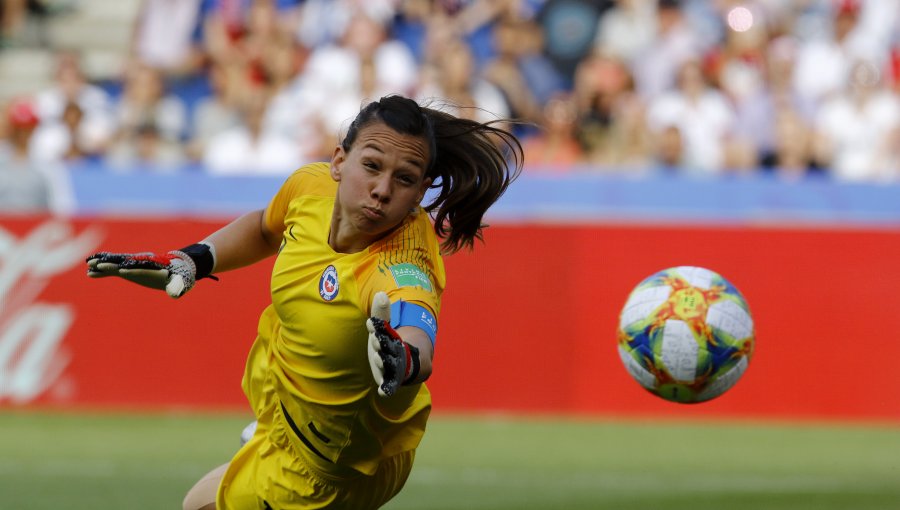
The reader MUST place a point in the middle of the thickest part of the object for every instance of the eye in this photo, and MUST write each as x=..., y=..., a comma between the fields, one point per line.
x=371, y=165
x=406, y=180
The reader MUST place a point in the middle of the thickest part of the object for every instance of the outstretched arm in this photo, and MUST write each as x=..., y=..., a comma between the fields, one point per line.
x=240, y=243
x=244, y=241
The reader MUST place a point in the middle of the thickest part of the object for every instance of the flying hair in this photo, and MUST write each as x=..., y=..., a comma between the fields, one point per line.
x=471, y=163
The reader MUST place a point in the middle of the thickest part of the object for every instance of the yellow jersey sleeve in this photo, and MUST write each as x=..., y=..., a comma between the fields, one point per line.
x=407, y=265
x=307, y=180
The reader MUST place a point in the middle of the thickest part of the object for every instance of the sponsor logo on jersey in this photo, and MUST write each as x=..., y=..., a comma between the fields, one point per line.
x=409, y=275
x=328, y=283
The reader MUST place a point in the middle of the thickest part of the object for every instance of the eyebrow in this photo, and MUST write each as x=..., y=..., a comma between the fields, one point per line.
x=414, y=162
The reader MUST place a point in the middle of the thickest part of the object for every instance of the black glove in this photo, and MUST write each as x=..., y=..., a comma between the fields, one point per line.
x=175, y=272
x=393, y=361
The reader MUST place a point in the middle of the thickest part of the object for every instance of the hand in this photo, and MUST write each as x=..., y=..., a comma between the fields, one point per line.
x=393, y=361
x=175, y=272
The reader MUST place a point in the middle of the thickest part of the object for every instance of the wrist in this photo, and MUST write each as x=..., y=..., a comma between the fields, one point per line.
x=413, y=364
x=202, y=256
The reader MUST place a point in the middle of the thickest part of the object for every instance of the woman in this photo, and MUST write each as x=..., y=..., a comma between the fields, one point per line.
x=335, y=375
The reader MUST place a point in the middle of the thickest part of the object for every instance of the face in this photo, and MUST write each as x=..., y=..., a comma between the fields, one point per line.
x=381, y=179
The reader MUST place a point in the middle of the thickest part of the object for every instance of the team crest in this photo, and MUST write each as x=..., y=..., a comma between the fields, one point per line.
x=328, y=284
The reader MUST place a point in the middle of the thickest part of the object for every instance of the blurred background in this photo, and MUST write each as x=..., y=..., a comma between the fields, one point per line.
x=757, y=138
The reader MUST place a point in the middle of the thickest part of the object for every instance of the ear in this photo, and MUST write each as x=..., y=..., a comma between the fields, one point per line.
x=337, y=159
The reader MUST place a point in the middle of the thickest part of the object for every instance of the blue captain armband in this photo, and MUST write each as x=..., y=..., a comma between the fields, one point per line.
x=410, y=314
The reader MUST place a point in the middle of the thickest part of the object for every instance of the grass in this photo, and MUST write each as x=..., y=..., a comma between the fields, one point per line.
x=137, y=461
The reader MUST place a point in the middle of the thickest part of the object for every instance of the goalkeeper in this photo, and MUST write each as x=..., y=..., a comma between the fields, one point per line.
x=335, y=374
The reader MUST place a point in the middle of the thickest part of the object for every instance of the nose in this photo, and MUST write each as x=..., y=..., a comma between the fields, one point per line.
x=381, y=187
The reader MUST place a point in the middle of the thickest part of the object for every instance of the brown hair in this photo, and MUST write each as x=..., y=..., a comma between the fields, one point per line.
x=471, y=163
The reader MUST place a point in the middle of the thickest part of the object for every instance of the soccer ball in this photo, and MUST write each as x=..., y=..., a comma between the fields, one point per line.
x=686, y=334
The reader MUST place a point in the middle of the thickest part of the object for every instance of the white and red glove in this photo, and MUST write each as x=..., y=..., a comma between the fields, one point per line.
x=393, y=361
x=176, y=272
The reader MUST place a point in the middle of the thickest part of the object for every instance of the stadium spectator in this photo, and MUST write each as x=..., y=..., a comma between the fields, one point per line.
x=569, y=30
x=454, y=78
x=824, y=59
x=779, y=110
x=703, y=116
x=318, y=60
x=325, y=22
x=23, y=187
x=73, y=96
x=13, y=14
x=145, y=150
x=855, y=131
x=21, y=22
x=336, y=389
x=612, y=116
x=656, y=67
x=250, y=148
x=67, y=139
x=365, y=63
x=555, y=147
x=219, y=111
x=790, y=156
x=519, y=69
x=145, y=101
x=287, y=112
x=163, y=36
x=627, y=29
x=414, y=21
x=738, y=69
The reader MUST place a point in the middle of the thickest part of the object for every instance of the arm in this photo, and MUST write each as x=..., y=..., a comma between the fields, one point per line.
x=244, y=241
x=418, y=338
x=240, y=243
x=398, y=357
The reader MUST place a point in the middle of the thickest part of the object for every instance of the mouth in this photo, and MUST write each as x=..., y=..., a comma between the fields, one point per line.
x=373, y=213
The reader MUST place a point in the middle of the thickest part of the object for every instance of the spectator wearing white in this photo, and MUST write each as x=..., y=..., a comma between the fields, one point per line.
x=627, y=29
x=288, y=112
x=675, y=42
x=824, y=59
x=249, y=148
x=365, y=64
x=163, y=36
x=856, y=131
x=703, y=116
x=72, y=91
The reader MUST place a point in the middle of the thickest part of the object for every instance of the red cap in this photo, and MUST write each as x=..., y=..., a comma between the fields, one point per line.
x=22, y=114
x=848, y=7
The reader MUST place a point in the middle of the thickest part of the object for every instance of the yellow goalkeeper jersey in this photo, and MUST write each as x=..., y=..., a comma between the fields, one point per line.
x=315, y=330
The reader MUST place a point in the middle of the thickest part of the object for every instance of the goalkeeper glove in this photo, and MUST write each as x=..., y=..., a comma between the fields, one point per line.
x=175, y=272
x=393, y=361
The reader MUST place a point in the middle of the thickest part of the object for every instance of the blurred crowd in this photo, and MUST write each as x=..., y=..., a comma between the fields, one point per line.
x=790, y=87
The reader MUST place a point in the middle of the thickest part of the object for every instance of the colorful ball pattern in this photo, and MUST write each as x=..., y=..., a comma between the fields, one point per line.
x=686, y=334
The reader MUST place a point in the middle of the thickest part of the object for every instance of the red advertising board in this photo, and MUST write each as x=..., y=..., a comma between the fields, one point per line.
x=528, y=321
